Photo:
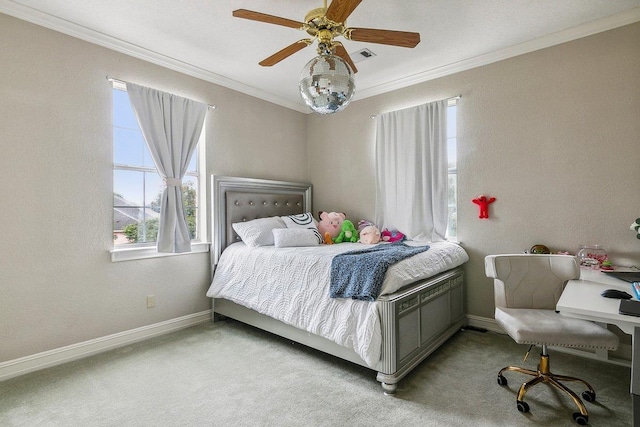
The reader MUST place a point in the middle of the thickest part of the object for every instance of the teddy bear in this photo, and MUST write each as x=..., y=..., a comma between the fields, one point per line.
x=330, y=224
x=370, y=235
x=348, y=233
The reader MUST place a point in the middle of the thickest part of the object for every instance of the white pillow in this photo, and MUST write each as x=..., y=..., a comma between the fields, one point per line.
x=257, y=232
x=294, y=237
x=304, y=221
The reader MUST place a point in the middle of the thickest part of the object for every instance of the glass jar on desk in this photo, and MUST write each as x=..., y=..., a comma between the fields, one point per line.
x=592, y=256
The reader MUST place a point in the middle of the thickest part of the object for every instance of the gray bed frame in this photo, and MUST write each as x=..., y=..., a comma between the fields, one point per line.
x=415, y=321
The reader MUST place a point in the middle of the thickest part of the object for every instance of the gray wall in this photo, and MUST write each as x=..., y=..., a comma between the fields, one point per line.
x=554, y=135
x=58, y=285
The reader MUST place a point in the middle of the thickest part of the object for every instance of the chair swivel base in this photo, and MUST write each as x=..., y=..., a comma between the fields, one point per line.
x=544, y=375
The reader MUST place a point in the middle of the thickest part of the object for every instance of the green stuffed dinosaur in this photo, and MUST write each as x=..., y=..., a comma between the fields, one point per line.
x=348, y=233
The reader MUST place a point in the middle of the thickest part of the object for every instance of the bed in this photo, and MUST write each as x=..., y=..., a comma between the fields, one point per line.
x=421, y=304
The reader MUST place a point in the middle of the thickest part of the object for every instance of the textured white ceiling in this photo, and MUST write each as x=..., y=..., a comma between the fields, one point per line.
x=201, y=38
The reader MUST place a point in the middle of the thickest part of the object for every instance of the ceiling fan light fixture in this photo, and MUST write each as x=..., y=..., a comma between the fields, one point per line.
x=327, y=84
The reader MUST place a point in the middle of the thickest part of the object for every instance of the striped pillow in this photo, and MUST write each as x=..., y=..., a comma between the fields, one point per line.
x=303, y=221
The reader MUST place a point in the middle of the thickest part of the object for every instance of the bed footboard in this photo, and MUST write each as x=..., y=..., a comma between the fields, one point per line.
x=416, y=321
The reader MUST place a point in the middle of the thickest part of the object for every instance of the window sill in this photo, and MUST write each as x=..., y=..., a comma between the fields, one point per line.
x=130, y=254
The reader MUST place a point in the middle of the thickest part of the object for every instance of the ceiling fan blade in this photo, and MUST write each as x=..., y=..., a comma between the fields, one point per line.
x=286, y=52
x=269, y=19
x=342, y=53
x=339, y=10
x=393, y=38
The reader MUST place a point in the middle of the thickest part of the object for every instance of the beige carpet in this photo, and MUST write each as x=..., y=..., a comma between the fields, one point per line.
x=229, y=374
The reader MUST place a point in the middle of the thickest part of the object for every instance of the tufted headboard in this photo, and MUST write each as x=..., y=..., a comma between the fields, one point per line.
x=243, y=199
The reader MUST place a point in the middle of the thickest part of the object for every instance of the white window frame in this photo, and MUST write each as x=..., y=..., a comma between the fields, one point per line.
x=198, y=245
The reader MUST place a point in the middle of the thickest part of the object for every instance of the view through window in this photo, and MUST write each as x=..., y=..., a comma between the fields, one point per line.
x=452, y=223
x=137, y=186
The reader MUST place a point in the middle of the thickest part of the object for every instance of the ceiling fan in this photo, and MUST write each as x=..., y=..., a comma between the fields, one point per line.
x=325, y=24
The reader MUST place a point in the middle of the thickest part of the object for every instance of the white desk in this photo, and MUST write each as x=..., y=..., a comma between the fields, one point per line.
x=581, y=299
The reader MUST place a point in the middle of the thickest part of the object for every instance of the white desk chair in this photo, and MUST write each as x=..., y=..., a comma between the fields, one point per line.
x=526, y=289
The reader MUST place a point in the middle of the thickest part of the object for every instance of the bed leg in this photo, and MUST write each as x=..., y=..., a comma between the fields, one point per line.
x=389, y=389
x=218, y=317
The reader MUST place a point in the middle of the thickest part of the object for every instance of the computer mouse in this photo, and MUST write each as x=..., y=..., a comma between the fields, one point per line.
x=615, y=293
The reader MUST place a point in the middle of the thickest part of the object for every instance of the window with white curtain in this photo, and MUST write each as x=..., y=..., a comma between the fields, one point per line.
x=416, y=171
x=137, y=186
x=452, y=219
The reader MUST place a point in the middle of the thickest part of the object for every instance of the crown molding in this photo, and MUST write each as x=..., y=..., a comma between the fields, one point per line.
x=578, y=32
x=34, y=16
x=51, y=22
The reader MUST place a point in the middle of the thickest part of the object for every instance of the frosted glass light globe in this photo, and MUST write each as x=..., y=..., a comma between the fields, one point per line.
x=327, y=84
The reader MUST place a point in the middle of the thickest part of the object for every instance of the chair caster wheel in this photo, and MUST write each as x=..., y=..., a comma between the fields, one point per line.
x=502, y=380
x=589, y=396
x=580, y=419
x=524, y=406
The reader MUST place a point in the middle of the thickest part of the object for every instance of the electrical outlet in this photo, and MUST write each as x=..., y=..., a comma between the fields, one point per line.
x=151, y=301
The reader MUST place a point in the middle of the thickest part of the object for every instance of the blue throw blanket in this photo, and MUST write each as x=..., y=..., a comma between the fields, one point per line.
x=359, y=274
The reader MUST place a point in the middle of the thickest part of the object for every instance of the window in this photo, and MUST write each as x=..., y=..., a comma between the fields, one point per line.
x=410, y=148
x=137, y=186
x=452, y=223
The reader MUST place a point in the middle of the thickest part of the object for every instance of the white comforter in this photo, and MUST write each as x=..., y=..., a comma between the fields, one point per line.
x=292, y=285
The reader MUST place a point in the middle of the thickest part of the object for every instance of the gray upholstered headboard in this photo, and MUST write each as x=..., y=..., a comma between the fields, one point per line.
x=243, y=199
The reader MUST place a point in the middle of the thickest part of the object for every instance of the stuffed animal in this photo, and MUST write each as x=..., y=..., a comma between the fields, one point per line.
x=370, y=235
x=327, y=239
x=348, y=233
x=636, y=226
x=330, y=222
x=392, y=236
x=364, y=223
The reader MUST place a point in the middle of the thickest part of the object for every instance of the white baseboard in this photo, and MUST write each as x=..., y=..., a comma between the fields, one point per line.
x=622, y=355
x=47, y=359
x=489, y=324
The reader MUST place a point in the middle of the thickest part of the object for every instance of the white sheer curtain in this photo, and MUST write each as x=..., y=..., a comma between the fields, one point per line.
x=411, y=171
x=171, y=126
